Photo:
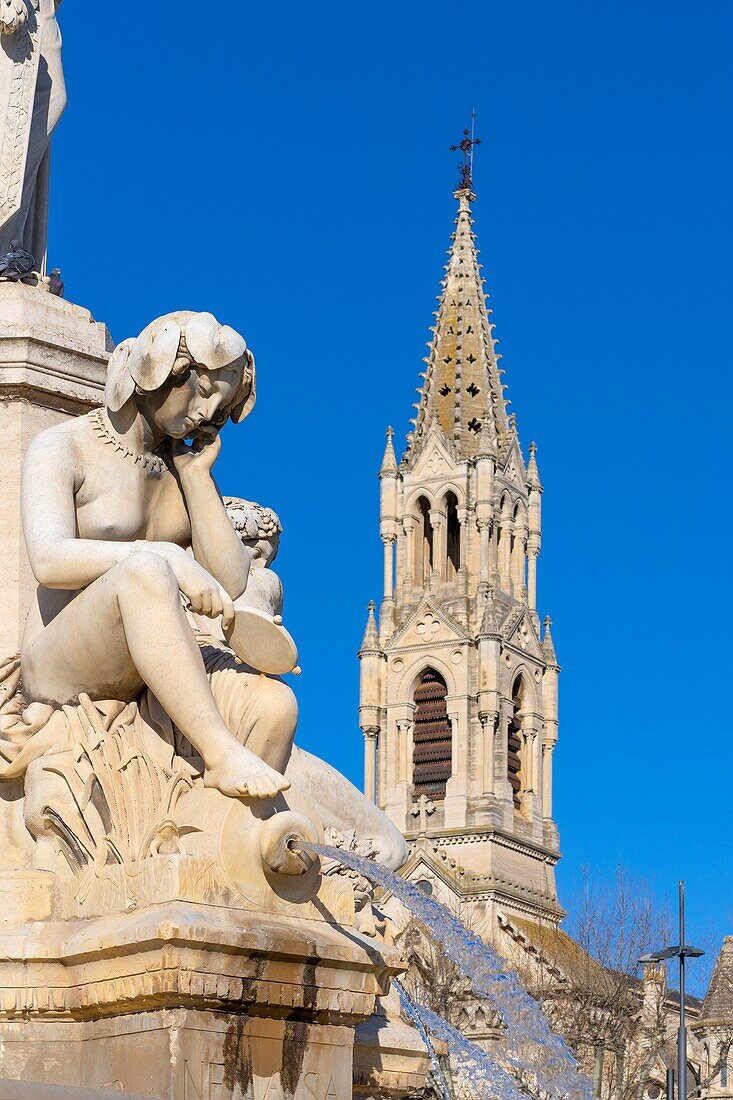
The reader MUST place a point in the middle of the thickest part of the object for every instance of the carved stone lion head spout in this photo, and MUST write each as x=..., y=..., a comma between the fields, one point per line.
x=170, y=367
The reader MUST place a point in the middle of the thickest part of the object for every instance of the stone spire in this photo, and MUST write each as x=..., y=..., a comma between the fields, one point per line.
x=490, y=622
x=370, y=641
x=533, y=474
x=486, y=446
x=462, y=391
x=548, y=646
x=389, y=461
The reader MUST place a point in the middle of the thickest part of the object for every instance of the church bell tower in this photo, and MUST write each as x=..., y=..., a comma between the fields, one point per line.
x=458, y=695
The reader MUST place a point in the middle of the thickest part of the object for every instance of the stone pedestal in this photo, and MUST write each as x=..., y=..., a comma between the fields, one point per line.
x=53, y=359
x=185, y=1001
x=390, y=1059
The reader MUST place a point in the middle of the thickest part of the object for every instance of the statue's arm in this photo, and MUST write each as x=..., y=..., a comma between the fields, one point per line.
x=215, y=543
x=58, y=558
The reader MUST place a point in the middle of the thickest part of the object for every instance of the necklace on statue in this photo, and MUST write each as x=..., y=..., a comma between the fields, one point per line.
x=103, y=429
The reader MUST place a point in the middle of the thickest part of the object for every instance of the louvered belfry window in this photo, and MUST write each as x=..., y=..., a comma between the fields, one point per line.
x=432, y=739
x=514, y=748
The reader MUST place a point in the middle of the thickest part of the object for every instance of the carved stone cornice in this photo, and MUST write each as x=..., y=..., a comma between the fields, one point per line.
x=52, y=352
x=534, y=850
x=179, y=954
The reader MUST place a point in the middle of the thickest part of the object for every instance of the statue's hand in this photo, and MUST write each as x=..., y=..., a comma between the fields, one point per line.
x=197, y=459
x=204, y=594
x=13, y=16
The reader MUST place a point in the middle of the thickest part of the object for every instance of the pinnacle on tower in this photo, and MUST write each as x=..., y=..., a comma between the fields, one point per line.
x=548, y=646
x=389, y=461
x=370, y=641
x=462, y=390
x=487, y=439
x=490, y=619
x=533, y=474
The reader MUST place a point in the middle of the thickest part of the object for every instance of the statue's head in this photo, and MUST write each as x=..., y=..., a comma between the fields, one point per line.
x=189, y=373
x=258, y=527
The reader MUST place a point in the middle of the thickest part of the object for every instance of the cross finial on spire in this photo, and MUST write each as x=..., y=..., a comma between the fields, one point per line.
x=466, y=146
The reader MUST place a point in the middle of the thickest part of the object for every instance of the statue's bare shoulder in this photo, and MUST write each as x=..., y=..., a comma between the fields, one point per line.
x=60, y=441
x=57, y=450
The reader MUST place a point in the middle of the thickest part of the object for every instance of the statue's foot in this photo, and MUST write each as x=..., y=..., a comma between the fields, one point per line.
x=241, y=774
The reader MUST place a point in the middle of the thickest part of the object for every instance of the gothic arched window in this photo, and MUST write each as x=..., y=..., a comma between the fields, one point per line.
x=425, y=541
x=432, y=739
x=453, y=537
x=514, y=746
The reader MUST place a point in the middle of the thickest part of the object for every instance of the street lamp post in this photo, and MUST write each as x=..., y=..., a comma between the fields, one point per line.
x=680, y=951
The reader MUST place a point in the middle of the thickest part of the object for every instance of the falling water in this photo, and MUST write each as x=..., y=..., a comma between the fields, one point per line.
x=529, y=1048
x=469, y=1062
x=413, y=1012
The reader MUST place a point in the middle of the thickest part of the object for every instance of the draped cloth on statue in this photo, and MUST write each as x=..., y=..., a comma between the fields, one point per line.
x=32, y=100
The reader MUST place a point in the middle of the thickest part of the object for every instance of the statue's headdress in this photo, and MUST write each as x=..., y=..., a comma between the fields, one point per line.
x=252, y=521
x=170, y=346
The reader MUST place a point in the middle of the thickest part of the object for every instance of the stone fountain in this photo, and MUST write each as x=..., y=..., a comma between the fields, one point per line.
x=161, y=933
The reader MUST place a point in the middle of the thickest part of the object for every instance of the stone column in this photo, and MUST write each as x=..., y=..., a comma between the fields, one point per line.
x=547, y=750
x=410, y=577
x=493, y=538
x=370, y=762
x=485, y=464
x=457, y=788
x=534, y=542
x=388, y=543
x=462, y=516
x=404, y=725
x=549, y=737
x=484, y=535
x=489, y=723
x=533, y=552
x=518, y=557
x=440, y=531
x=387, y=607
x=505, y=563
x=502, y=785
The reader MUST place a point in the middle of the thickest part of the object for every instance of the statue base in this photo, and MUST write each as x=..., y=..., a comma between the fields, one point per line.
x=185, y=1002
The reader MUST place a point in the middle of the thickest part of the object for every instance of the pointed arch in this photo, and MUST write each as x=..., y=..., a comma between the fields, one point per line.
x=412, y=502
x=413, y=673
x=522, y=684
x=432, y=751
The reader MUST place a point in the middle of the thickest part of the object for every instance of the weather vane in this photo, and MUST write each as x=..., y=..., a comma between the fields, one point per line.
x=466, y=146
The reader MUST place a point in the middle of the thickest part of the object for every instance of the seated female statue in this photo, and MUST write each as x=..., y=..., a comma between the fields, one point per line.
x=112, y=503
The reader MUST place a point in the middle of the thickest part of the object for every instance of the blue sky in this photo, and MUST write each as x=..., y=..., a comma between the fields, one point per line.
x=286, y=167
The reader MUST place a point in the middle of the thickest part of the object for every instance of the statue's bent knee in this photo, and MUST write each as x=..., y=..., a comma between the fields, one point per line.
x=147, y=572
x=282, y=706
